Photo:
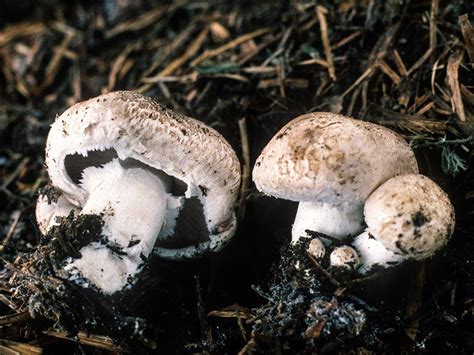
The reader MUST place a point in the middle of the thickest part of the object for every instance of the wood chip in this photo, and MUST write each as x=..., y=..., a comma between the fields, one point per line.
x=453, y=82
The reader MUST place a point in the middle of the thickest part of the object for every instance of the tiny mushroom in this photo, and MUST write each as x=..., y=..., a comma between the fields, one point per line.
x=344, y=257
x=408, y=217
x=158, y=179
x=316, y=249
x=330, y=164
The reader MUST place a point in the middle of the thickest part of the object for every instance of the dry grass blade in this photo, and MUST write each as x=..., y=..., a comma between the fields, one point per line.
x=142, y=22
x=234, y=43
x=385, y=68
x=11, y=230
x=323, y=25
x=453, y=82
x=188, y=54
x=20, y=30
x=119, y=62
x=8, y=347
x=55, y=63
x=97, y=341
x=402, y=69
x=15, y=318
x=433, y=29
x=468, y=35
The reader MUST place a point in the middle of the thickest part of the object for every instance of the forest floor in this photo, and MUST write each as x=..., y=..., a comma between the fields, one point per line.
x=246, y=68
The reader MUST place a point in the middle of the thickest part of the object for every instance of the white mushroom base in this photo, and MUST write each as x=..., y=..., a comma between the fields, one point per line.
x=373, y=253
x=47, y=213
x=336, y=221
x=132, y=203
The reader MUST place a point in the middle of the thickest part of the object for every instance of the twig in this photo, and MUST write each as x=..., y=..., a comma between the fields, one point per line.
x=385, y=68
x=97, y=341
x=11, y=231
x=244, y=187
x=119, y=62
x=15, y=318
x=468, y=35
x=5, y=300
x=424, y=57
x=368, y=72
x=206, y=332
x=324, y=271
x=20, y=30
x=139, y=23
x=397, y=59
x=323, y=25
x=188, y=54
x=234, y=43
x=414, y=301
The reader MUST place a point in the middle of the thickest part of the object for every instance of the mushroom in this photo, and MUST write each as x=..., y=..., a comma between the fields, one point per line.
x=155, y=177
x=48, y=210
x=330, y=164
x=316, y=249
x=344, y=257
x=408, y=217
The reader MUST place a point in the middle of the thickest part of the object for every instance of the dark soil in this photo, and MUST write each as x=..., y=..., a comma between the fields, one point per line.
x=246, y=68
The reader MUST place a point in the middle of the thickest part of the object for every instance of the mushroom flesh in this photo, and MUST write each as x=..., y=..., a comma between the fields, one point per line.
x=160, y=181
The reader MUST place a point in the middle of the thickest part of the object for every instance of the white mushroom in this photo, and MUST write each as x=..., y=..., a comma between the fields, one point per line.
x=330, y=164
x=154, y=176
x=316, y=249
x=408, y=217
x=344, y=257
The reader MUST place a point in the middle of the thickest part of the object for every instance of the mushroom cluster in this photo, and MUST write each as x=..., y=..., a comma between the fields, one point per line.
x=340, y=169
x=160, y=181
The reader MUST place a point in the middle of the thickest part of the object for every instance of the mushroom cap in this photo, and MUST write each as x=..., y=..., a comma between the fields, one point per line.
x=330, y=158
x=344, y=257
x=316, y=248
x=128, y=125
x=410, y=215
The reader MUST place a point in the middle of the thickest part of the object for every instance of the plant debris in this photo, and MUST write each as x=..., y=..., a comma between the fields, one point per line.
x=245, y=68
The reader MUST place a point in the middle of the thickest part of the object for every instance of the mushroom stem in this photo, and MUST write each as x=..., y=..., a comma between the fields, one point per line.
x=132, y=203
x=372, y=253
x=48, y=211
x=338, y=221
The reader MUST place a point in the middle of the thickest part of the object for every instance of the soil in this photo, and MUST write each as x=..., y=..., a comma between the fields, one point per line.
x=245, y=68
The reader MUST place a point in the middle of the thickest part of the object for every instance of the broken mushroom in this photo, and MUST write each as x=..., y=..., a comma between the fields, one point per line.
x=408, y=217
x=158, y=180
x=330, y=164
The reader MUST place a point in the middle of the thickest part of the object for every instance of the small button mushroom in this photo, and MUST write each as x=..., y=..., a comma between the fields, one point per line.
x=408, y=217
x=158, y=180
x=316, y=249
x=330, y=164
x=344, y=257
